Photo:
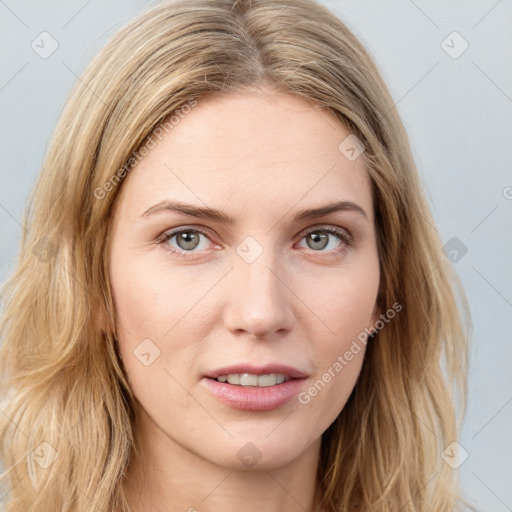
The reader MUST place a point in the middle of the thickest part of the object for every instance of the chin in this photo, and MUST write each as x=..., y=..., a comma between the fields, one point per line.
x=260, y=452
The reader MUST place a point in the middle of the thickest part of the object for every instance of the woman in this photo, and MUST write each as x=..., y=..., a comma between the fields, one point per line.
x=230, y=291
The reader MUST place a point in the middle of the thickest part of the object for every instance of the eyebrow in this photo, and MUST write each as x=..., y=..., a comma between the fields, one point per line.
x=219, y=216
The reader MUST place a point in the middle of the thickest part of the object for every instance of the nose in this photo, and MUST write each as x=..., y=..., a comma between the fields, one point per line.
x=259, y=300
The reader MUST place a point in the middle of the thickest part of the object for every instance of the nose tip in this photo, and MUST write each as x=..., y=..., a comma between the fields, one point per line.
x=258, y=304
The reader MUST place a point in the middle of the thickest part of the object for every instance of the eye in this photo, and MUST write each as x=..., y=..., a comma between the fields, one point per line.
x=317, y=238
x=189, y=239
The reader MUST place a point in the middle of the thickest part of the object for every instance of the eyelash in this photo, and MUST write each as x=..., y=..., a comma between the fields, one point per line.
x=343, y=236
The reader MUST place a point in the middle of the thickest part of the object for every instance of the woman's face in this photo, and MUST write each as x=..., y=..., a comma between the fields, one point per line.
x=191, y=291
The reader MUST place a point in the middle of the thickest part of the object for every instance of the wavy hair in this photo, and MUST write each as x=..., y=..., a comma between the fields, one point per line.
x=66, y=432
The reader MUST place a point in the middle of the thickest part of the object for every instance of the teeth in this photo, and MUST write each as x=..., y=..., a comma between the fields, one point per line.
x=281, y=378
x=249, y=379
x=233, y=379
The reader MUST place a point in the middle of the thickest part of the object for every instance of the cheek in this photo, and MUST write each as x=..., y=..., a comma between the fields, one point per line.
x=147, y=306
x=345, y=308
x=150, y=293
x=160, y=312
x=343, y=300
x=325, y=396
x=142, y=310
x=137, y=298
x=338, y=359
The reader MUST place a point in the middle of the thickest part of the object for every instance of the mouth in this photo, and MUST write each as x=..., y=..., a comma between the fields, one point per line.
x=246, y=374
x=251, y=388
x=251, y=379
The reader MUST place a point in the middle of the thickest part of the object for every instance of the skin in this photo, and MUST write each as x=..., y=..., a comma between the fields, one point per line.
x=259, y=157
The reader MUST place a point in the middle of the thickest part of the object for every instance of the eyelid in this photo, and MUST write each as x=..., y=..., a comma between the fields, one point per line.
x=329, y=228
x=167, y=235
x=344, y=235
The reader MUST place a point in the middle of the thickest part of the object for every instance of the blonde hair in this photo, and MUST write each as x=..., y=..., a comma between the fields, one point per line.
x=64, y=393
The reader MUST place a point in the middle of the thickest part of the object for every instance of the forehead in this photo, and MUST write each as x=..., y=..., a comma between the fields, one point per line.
x=249, y=150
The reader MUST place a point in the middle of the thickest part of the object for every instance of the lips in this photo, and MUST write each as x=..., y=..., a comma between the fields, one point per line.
x=290, y=371
x=255, y=398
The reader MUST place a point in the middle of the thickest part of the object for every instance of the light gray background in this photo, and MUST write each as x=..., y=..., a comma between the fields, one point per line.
x=458, y=112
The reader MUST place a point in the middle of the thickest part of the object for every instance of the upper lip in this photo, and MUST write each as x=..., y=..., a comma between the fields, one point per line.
x=267, y=369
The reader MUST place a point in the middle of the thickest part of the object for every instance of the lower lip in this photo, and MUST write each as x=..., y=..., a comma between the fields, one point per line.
x=252, y=398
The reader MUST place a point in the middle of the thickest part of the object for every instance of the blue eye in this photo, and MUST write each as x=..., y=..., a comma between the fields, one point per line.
x=188, y=239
